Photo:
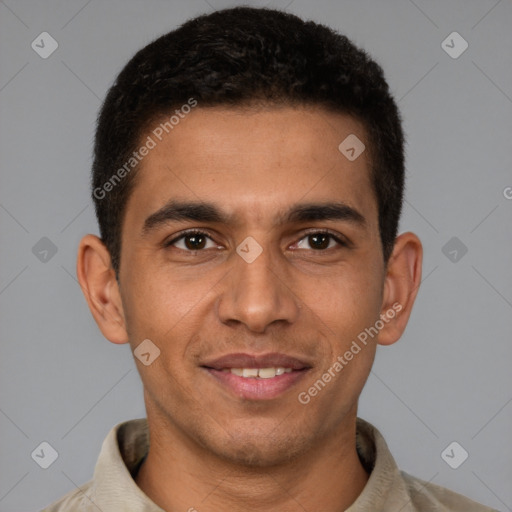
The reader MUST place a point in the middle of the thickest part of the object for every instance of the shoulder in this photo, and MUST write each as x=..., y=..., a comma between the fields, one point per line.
x=428, y=496
x=78, y=500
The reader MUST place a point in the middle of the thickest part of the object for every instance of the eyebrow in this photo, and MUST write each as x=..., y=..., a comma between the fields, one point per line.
x=200, y=211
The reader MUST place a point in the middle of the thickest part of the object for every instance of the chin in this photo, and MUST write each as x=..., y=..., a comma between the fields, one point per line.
x=259, y=448
x=258, y=456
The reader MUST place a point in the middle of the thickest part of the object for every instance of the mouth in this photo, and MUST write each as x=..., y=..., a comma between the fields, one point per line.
x=257, y=377
x=258, y=373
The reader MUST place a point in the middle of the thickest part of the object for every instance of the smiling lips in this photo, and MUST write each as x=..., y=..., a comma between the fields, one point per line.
x=260, y=373
x=257, y=377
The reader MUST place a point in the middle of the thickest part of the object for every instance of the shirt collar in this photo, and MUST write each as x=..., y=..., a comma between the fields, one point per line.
x=126, y=445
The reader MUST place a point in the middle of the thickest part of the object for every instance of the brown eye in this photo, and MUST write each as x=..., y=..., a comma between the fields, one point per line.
x=319, y=241
x=191, y=241
x=194, y=242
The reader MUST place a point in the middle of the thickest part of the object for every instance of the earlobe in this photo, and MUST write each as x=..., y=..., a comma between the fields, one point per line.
x=100, y=288
x=403, y=278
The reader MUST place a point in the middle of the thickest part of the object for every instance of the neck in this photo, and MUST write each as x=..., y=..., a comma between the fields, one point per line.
x=179, y=475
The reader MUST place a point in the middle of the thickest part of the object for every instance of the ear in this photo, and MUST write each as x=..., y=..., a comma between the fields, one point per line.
x=100, y=288
x=402, y=281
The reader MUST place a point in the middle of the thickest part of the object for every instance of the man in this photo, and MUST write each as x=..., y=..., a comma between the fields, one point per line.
x=248, y=181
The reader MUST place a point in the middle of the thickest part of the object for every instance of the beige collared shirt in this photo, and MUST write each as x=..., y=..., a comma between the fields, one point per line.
x=388, y=489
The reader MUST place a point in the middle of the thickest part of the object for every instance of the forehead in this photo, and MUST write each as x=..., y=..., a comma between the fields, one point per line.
x=253, y=162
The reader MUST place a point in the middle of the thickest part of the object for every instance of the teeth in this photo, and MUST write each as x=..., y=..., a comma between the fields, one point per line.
x=266, y=373
x=262, y=373
x=250, y=372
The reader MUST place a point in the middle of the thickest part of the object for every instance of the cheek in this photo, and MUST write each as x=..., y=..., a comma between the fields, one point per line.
x=156, y=300
x=348, y=301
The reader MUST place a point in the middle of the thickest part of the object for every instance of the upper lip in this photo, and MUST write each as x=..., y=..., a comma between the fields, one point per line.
x=270, y=360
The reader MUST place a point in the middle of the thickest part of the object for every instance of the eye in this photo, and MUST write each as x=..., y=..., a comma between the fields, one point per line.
x=320, y=241
x=191, y=241
x=196, y=240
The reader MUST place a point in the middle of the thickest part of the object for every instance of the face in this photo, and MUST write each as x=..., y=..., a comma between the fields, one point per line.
x=251, y=242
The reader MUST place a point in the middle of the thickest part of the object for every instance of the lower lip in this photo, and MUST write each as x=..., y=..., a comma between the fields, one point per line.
x=256, y=388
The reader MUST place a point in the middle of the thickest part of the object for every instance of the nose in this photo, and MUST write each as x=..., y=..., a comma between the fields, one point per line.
x=258, y=294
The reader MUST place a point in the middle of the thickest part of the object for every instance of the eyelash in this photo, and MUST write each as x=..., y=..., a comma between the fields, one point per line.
x=193, y=232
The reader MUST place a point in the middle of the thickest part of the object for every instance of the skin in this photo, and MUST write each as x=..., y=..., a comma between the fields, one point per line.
x=220, y=450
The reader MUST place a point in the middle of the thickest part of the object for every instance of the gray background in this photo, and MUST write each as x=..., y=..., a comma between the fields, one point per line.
x=449, y=377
